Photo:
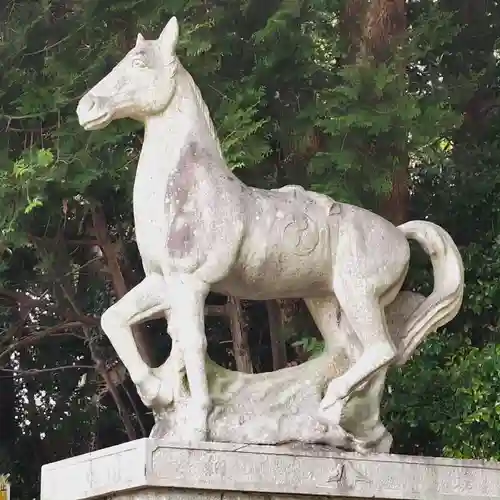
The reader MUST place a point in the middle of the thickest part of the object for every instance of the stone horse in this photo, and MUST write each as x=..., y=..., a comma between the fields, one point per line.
x=200, y=229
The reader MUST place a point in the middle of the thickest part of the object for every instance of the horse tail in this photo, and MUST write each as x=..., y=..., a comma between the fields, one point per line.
x=443, y=304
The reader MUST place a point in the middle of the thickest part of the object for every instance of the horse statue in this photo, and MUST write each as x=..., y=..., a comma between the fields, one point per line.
x=200, y=229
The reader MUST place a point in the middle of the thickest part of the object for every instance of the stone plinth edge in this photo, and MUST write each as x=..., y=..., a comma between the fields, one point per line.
x=154, y=465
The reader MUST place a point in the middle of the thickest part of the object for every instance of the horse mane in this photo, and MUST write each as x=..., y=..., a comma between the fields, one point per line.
x=201, y=104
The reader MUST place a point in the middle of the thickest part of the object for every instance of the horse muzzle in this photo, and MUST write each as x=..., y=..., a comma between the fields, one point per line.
x=92, y=112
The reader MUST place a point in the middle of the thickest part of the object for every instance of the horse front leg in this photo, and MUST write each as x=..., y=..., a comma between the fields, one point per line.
x=186, y=324
x=172, y=370
x=147, y=299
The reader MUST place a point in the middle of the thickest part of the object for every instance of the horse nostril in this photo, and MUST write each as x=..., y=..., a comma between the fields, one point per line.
x=87, y=103
x=85, y=106
x=91, y=102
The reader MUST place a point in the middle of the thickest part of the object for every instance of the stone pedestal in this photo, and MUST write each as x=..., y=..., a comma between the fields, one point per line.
x=158, y=470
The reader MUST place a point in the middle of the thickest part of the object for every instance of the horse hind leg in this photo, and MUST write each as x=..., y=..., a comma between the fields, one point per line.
x=360, y=300
x=326, y=313
x=339, y=339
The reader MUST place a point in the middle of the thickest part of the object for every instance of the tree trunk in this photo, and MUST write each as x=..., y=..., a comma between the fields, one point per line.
x=395, y=206
x=383, y=30
x=373, y=32
x=384, y=26
x=64, y=292
x=100, y=366
x=111, y=255
x=351, y=28
x=239, y=336
x=8, y=424
x=277, y=334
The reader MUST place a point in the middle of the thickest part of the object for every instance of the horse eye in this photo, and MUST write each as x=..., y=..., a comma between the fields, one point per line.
x=138, y=63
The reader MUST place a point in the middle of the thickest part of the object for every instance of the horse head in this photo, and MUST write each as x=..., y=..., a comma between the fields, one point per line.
x=140, y=85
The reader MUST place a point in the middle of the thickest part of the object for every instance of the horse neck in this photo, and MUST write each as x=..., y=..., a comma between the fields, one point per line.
x=186, y=116
x=191, y=91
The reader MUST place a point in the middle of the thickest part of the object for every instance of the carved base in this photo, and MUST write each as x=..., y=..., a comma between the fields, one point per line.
x=283, y=406
x=149, y=469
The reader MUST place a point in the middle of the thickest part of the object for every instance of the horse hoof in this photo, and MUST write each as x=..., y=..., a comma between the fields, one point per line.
x=331, y=413
x=339, y=438
x=361, y=447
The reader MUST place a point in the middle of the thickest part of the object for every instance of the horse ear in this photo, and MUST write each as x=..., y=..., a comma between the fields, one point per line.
x=140, y=40
x=169, y=36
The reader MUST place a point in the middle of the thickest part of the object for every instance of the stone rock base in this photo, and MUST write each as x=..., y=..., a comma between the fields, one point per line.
x=284, y=406
x=149, y=469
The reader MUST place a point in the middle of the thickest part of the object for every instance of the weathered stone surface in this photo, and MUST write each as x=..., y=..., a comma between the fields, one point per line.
x=200, y=229
x=152, y=469
x=172, y=494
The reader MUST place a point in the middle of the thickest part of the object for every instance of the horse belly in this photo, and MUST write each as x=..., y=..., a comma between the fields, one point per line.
x=272, y=265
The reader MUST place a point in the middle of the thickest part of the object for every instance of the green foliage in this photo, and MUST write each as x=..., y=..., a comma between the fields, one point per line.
x=449, y=394
x=310, y=346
